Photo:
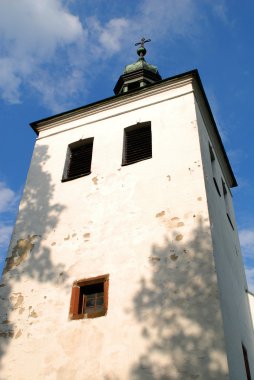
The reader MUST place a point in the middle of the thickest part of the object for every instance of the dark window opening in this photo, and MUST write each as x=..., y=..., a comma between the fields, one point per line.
x=213, y=163
x=78, y=159
x=246, y=362
x=216, y=186
x=224, y=188
x=89, y=298
x=225, y=193
x=137, y=143
x=212, y=156
x=230, y=221
x=133, y=85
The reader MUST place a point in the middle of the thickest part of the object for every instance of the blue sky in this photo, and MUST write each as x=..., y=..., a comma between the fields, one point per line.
x=61, y=54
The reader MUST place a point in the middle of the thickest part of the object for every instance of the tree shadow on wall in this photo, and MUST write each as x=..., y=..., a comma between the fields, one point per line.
x=178, y=312
x=28, y=256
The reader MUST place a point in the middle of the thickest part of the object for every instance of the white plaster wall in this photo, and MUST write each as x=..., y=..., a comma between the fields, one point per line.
x=251, y=302
x=146, y=225
x=229, y=265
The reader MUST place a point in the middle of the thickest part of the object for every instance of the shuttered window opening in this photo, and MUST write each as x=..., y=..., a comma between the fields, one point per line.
x=89, y=298
x=137, y=143
x=78, y=159
x=246, y=362
x=227, y=204
x=214, y=170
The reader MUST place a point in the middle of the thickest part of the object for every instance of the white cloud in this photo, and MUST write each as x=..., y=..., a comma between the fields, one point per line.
x=8, y=205
x=9, y=81
x=247, y=242
x=37, y=27
x=167, y=17
x=8, y=198
x=250, y=278
x=58, y=92
x=5, y=235
x=111, y=35
x=220, y=9
x=32, y=34
x=47, y=49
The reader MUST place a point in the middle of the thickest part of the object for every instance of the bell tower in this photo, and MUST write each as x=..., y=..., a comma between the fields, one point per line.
x=125, y=262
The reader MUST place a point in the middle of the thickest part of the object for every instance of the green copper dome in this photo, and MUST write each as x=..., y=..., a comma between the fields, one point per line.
x=140, y=64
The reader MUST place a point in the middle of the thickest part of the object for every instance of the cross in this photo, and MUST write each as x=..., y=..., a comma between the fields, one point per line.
x=142, y=42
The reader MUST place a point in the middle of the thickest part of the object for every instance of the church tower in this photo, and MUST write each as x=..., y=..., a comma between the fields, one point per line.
x=125, y=262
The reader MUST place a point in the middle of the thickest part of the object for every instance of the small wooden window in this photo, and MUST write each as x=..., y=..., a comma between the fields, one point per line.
x=246, y=362
x=137, y=143
x=89, y=298
x=78, y=159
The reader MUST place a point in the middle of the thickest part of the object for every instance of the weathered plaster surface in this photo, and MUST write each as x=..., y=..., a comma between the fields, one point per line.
x=145, y=224
x=20, y=252
x=228, y=260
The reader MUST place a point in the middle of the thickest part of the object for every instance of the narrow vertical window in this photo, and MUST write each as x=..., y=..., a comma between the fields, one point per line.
x=78, y=159
x=225, y=193
x=89, y=298
x=137, y=144
x=246, y=362
x=213, y=163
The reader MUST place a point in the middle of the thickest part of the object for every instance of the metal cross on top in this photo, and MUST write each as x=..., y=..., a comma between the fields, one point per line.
x=142, y=42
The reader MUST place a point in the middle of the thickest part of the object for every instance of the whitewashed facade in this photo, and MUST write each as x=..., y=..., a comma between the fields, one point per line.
x=177, y=302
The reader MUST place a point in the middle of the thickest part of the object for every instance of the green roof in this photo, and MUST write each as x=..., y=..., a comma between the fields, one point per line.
x=140, y=64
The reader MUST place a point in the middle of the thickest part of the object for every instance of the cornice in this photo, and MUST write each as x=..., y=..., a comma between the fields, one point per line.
x=113, y=102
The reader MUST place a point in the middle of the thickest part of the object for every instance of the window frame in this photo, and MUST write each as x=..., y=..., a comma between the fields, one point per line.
x=71, y=147
x=131, y=128
x=75, y=297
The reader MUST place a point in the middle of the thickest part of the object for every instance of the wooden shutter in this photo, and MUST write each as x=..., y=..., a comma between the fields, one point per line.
x=137, y=144
x=80, y=160
x=67, y=164
x=74, y=302
x=106, y=286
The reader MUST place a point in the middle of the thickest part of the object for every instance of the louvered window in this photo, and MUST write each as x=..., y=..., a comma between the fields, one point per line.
x=78, y=159
x=89, y=298
x=137, y=143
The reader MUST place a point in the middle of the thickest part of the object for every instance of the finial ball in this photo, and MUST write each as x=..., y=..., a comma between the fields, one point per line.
x=141, y=51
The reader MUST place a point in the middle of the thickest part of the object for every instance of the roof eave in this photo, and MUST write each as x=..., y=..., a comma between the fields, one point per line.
x=36, y=123
x=194, y=73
